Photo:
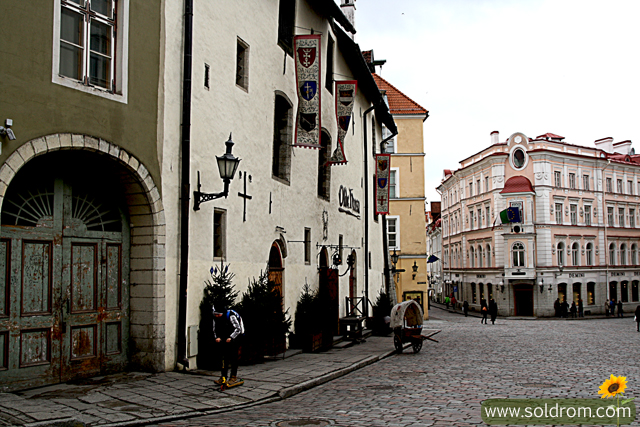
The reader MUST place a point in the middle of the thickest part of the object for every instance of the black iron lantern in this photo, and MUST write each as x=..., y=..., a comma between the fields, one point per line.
x=394, y=258
x=415, y=267
x=227, y=166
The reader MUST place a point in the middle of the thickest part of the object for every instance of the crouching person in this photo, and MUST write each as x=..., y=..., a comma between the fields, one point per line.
x=228, y=330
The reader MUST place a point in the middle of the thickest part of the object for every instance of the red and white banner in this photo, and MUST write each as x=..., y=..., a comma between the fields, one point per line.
x=345, y=100
x=306, y=51
x=383, y=165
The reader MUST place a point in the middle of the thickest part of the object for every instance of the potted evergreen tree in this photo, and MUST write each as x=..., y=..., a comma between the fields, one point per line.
x=381, y=315
x=308, y=328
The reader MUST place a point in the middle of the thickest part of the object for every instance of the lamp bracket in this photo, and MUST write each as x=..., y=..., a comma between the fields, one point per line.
x=200, y=197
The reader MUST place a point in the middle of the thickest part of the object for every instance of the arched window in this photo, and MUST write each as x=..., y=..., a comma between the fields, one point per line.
x=623, y=254
x=589, y=254
x=472, y=256
x=575, y=253
x=612, y=254
x=518, y=254
x=560, y=253
x=324, y=170
x=634, y=254
x=480, y=256
x=282, y=135
x=488, y=256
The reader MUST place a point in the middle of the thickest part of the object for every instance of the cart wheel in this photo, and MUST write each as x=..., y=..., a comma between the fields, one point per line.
x=397, y=342
x=417, y=345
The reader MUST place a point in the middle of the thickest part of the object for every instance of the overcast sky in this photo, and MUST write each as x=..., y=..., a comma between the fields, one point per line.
x=534, y=66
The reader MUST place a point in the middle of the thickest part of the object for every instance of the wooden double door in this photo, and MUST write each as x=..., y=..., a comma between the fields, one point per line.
x=64, y=295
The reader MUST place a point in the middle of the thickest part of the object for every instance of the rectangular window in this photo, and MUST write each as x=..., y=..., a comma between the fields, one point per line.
x=486, y=184
x=585, y=182
x=591, y=293
x=634, y=291
x=393, y=184
x=479, y=218
x=206, y=75
x=488, y=220
x=470, y=189
x=329, y=76
x=557, y=178
x=219, y=232
x=572, y=181
x=632, y=218
x=610, y=216
x=619, y=185
x=390, y=146
x=392, y=233
x=609, y=186
x=620, y=217
x=630, y=187
x=242, y=65
x=574, y=214
x=558, y=213
x=307, y=246
x=471, y=219
x=587, y=215
x=286, y=23
x=478, y=186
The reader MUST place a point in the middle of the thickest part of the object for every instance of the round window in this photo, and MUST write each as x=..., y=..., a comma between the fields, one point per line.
x=518, y=158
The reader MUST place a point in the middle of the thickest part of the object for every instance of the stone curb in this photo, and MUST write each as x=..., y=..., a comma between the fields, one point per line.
x=277, y=396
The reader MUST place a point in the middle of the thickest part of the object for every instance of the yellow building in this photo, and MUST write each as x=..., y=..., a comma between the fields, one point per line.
x=406, y=225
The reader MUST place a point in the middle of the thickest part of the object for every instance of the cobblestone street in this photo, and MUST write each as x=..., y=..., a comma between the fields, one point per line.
x=445, y=383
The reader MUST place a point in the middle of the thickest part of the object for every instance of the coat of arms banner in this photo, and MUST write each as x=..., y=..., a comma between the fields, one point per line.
x=383, y=163
x=307, y=56
x=345, y=100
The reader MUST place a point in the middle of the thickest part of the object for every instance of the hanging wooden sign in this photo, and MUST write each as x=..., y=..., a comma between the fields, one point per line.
x=307, y=56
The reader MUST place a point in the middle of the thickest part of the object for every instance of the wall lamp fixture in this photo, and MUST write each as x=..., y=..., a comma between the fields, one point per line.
x=227, y=165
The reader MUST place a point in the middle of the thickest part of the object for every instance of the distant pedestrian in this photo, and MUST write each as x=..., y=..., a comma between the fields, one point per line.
x=446, y=301
x=637, y=314
x=556, y=307
x=620, y=309
x=453, y=302
x=580, y=308
x=493, y=310
x=606, y=308
x=228, y=330
x=465, y=308
x=573, y=310
x=564, y=309
x=612, y=307
x=484, y=310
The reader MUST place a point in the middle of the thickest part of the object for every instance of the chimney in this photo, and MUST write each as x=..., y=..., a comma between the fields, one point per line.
x=605, y=144
x=622, y=147
x=349, y=10
x=494, y=137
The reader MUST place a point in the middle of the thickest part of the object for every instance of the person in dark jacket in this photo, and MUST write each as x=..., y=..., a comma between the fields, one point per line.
x=493, y=310
x=484, y=311
x=228, y=330
x=620, y=309
x=465, y=308
x=580, y=308
x=573, y=309
x=637, y=314
x=556, y=307
x=564, y=309
x=612, y=307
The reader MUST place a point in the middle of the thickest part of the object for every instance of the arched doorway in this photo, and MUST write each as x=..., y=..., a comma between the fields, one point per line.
x=328, y=290
x=523, y=296
x=276, y=273
x=64, y=260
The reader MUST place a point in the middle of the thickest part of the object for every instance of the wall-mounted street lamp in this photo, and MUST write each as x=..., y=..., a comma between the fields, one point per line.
x=541, y=283
x=415, y=270
x=227, y=165
x=502, y=283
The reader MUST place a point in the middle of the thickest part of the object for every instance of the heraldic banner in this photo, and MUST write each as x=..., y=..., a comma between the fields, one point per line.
x=383, y=164
x=307, y=54
x=345, y=100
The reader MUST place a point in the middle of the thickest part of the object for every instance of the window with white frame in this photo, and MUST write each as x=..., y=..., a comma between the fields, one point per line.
x=589, y=254
x=393, y=183
x=242, y=64
x=609, y=185
x=612, y=254
x=572, y=181
x=585, y=182
x=557, y=179
x=620, y=217
x=619, y=185
x=479, y=217
x=632, y=218
x=486, y=184
x=558, y=213
x=219, y=234
x=634, y=254
x=610, y=216
x=630, y=187
x=393, y=232
x=574, y=214
x=471, y=189
x=560, y=253
x=518, y=254
x=90, y=48
x=623, y=254
x=480, y=256
x=471, y=218
x=587, y=215
x=575, y=253
x=391, y=143
x=488, y=256
x=472, y=256
x=488, y=213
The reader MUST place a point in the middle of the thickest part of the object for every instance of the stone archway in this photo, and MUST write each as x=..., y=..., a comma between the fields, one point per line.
x=145, y=216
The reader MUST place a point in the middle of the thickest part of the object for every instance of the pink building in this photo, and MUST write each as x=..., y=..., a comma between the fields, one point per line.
x=578, y=238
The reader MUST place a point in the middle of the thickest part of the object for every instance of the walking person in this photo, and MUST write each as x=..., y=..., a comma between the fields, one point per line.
x=556, y=307
x=580, y=308
x=620, y=309
x=606, y=308
x=637, y=314
x=493, y=310
x=446, y=302
x=465, y=308
x=573, y=310
x=453, y=302
x=564, y=309
x=228, y=330
x=484, y=310
x=612, y=307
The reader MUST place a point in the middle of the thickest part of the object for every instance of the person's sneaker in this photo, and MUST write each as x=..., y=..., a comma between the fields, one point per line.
x=220, y=381
x=233, y=381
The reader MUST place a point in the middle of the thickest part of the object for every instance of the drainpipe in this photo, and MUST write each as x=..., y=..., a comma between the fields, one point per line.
x=604, y=220
x=366, y=210
x=184, y=184
x=385, y=242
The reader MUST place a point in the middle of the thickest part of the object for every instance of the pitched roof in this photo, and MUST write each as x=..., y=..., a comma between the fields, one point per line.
x=517, y=184
x=550, y=135
x=399, y=103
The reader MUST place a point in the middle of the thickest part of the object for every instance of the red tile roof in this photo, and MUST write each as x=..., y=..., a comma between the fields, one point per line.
x=550, y=136
x=399, y=103
x=517, y=184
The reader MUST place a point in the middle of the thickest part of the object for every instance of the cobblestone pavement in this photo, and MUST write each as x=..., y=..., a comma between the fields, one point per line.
x=446, y=382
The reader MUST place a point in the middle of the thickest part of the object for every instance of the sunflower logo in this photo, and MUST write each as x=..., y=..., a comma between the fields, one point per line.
x=613, y=386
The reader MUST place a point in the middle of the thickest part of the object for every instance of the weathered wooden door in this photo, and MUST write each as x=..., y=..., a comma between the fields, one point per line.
x=64, y=264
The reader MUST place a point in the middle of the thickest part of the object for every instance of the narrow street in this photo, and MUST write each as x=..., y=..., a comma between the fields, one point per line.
x=445, y=383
